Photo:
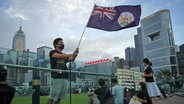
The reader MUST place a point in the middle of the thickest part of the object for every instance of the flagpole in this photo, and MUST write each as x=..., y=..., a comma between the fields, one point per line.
x=78, y=47
x=82, y=35
x=85, y=28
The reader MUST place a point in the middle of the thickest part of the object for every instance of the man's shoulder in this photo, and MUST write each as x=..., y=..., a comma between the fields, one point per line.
x=7, y=87
x=52, y=52
x=55, y=51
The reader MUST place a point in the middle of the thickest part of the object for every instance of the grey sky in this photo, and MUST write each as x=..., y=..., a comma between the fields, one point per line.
x=44, y=20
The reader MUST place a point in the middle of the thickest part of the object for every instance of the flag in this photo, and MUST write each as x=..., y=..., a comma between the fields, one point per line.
x=114, y=18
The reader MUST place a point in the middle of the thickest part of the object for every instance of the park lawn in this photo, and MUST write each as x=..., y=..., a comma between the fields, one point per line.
x=76, y=99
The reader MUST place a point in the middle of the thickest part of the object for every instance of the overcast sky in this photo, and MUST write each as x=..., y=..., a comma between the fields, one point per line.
x=45, y=20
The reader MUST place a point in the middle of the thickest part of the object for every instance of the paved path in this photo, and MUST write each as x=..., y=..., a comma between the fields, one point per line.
x=175, y=99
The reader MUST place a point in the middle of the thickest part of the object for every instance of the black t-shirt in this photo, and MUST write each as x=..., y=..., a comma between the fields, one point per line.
x=103, y=94
x=144, y=96
x=6, y=93
x=58, y=63
x=149, y=70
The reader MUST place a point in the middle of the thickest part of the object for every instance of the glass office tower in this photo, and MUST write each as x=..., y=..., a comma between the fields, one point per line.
x=139, y=54
x=158, y=41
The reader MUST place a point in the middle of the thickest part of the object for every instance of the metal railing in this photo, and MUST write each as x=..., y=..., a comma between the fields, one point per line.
x=36, y=78
x=50, y=70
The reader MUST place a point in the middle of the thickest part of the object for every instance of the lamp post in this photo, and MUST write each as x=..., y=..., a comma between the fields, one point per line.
x=36, y=87
x=36, y=82
x=174, y=78
x=18, y=71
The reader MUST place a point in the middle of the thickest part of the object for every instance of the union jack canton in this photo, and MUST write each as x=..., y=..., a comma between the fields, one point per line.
x=104, y=11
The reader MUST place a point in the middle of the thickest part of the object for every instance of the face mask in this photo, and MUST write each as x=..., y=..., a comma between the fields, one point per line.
x=138, y=87
x=61, y=46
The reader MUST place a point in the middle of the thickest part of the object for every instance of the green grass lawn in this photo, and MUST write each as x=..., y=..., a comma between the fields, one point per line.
x=76, y=99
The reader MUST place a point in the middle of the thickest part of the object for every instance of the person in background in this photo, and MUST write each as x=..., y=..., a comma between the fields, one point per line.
x=6, y=92
x=103, y=93
x=117, y=91
x=163, y=92
x=152, y=87
x=142, y=95
x=59, y=82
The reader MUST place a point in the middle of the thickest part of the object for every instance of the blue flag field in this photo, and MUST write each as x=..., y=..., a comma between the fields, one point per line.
x=114, y=18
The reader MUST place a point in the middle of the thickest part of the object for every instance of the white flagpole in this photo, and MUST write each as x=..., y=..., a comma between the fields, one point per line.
x=78, y=47
x=82, y=35
x=85, y=27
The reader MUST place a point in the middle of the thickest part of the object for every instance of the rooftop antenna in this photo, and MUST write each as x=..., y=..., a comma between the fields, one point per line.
x=20, y=23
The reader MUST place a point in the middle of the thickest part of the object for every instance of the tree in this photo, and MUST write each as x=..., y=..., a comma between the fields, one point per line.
x=165, y=76
x=165, y=72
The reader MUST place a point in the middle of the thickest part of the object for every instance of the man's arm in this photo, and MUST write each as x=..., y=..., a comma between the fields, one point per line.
x=73, y=58
x=65, y=56
x=139, y=99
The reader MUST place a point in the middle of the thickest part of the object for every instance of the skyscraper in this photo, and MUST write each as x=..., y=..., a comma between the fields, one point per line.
x=19, y=40
x=43, y=52
x=180, y=58
x=18, y=46
x=139, y=55
x=158, y=41
x=44, y=61
x=130, y=56
x=118, y=62
x=182, y=48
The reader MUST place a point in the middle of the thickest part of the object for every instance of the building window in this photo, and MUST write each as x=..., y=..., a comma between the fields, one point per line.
x=154, y=36
x=172, y=51
x=173, y=60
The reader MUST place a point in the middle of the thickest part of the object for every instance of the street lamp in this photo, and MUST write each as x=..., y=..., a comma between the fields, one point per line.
x=174, y=79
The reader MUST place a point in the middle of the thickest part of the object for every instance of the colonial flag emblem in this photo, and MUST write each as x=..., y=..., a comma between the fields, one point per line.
x=114, y=18
x=125, y=19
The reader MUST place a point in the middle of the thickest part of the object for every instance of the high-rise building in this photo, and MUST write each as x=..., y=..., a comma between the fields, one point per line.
x=28, y=59
x=130, y=56
x=139, y=55
x=181, y=48
x=18, y=46
x=10, y=58
x=180, y=58
x=19, y=41
x=43, y=52
x=158, y=41
x=103, y=66
x=44, y=61
x=118, y=62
